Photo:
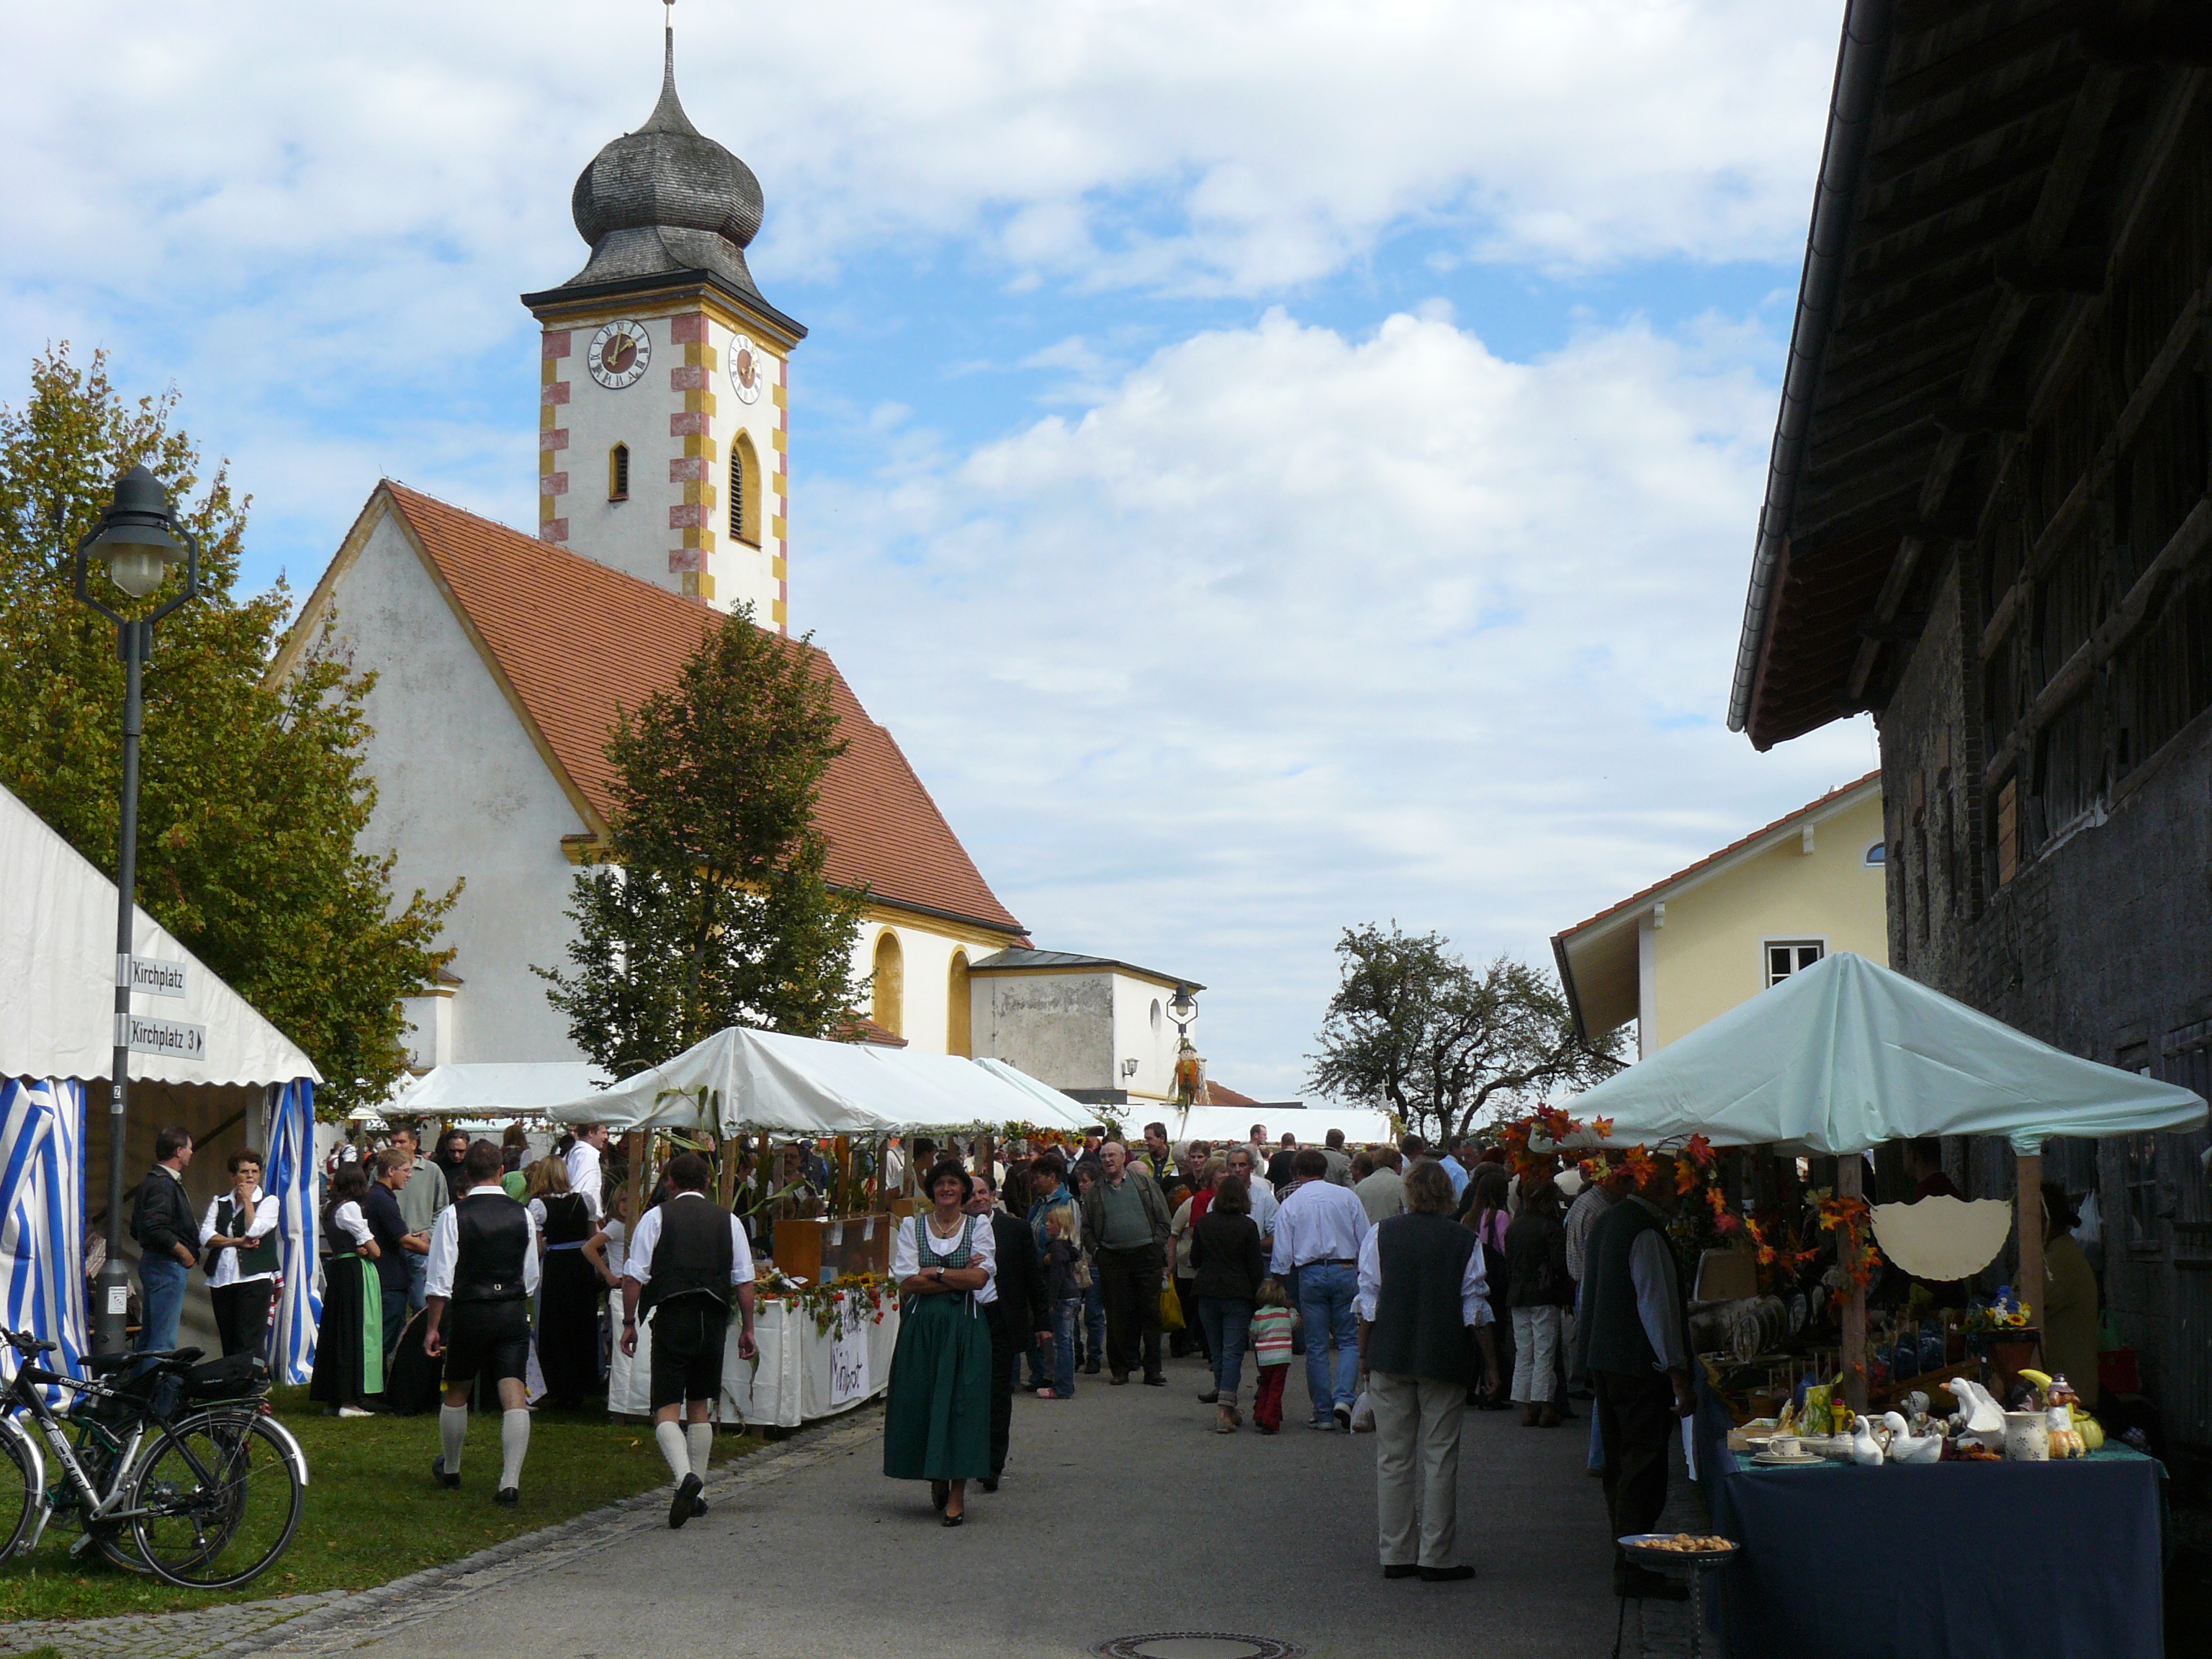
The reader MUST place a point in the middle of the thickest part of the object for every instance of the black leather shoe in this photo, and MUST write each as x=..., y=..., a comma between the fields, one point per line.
x=1119, y=1379
x=509, y=1498
x=1156, y=1381
x=1211, y=1397
x=679, y=1506
x=451, y=1482
x=698, y=1508
x=990, y=1483
x=1090, y=1369
x=1446, y=1574
x=1400, y=1569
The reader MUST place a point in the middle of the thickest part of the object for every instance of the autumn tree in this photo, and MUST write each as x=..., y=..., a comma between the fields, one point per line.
x=711, y=907
x=251, y=795
x=1413, y=1029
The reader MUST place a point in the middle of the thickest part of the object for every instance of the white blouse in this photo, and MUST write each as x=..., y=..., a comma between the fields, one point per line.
x=905, y=1253
x=225, y=1261
x=347, y=1219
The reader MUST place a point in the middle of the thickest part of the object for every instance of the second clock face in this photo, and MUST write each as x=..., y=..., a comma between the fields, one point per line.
x=747, y=368
x=619, y=353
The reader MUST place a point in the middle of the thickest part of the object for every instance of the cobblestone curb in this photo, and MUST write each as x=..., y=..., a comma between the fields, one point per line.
x=336, y=1620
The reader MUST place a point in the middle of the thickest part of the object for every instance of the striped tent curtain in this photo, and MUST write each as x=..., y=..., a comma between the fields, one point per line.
x=42, y=1216
x=292, y=1177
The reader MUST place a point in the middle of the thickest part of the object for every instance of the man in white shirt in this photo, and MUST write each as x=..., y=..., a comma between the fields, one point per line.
x=684, y=1260
x=484, y=1263
x=1245, y=1164
x=1318, y=1233
x=584, y=1155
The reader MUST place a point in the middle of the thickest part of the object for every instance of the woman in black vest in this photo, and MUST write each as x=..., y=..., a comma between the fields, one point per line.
x=1421, y=1287
x=350, y=1344
x=568, y=1291
x=239, y=1236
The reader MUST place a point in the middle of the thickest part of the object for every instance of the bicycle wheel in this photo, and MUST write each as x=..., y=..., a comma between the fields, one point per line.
x=217, y=1501
x=19, y=1492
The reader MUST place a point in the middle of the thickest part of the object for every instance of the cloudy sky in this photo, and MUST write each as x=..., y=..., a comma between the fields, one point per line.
x=1274, y=465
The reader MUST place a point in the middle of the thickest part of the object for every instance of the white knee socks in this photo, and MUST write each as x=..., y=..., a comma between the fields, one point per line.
x=452, y=1435
x=700, y=1438
x=513, y=1446
x=673, y=1447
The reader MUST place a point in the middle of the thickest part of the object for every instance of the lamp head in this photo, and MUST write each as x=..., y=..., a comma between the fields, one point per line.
x=137, y=535
x=1184, y=1006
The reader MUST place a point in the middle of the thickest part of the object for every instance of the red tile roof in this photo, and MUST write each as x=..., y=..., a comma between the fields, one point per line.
x=1787, y=818
x=1220, y=1095
x=574, y=639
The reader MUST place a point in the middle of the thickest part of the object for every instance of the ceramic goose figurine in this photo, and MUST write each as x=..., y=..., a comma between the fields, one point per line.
x=1866, y=1450
x=1984, y=1415
x=1906, y=1447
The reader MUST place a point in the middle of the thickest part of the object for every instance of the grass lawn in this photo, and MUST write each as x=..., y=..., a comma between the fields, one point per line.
x=373, y=1512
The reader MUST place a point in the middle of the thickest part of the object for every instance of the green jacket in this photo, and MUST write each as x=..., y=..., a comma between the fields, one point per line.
x=1148, y=1193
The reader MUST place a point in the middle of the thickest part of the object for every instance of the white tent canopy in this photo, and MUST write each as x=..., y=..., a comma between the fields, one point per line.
x=1050, y=1108
x=1847, y=1055
x=492, y=1089
x=1222, y=1125
x=57, y=964
x=743, y=1081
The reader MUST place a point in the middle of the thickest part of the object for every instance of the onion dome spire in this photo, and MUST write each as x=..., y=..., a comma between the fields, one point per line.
x=665, y=199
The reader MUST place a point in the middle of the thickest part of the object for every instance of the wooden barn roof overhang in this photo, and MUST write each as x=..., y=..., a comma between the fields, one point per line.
x=1979, y=161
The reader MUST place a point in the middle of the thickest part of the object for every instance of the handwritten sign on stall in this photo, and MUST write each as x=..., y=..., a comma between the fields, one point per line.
x=848, y=1356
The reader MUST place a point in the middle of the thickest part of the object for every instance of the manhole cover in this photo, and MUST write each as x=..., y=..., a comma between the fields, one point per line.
x=1195, y=1644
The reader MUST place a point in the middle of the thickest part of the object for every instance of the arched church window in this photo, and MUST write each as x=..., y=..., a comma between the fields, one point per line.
x=619, y=473
x=744, y=492
x=959, y=1011
x=887, y=987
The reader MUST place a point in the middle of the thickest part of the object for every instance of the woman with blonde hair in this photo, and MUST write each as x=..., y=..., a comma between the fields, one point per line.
x=569, y=1293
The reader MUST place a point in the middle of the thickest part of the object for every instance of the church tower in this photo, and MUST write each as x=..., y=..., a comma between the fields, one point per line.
x=663, y=374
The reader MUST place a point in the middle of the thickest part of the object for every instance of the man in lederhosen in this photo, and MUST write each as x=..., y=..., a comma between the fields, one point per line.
x=684, y=1258
x=483, y=1263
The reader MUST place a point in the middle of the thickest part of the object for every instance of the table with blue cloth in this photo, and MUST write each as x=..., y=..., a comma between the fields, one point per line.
x=1939, y=1560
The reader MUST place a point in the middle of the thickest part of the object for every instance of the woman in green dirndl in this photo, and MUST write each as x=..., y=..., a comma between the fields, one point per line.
x=937, y=1422
x=350, y=1344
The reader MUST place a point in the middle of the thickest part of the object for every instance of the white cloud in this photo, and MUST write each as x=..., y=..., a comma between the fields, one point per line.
x=1294, y=631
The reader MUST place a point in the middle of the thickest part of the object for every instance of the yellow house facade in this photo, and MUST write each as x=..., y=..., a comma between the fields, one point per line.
x=1693, y=946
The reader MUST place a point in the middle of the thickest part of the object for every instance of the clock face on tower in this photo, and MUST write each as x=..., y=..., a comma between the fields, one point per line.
x=619, y=353
x=746, y=369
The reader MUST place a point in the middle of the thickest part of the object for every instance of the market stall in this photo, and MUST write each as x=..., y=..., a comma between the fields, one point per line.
x=1935, y=1492
x=827, y=1317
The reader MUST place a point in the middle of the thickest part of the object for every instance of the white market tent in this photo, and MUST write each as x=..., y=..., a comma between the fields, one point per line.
x=58, y=967
x=741, y=1081
x=1222, y=1125
x=1845, y=1056
x=1050, y=1109
x=494, y=1089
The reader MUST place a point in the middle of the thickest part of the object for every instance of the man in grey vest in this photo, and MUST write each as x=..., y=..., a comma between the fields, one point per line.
x=1634, y=1346
x=1421, y=1289
x=484, y=1271
x=685, y=1257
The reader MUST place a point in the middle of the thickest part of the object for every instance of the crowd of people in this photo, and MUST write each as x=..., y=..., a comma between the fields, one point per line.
x=1415, y=1283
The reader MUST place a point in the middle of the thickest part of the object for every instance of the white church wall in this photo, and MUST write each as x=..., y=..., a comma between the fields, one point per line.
x=1058, y=1028
x=927, y=957
x=1143, y=1032
x=461, y=793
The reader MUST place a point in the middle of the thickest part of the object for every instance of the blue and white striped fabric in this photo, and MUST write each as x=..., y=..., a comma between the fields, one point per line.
x=293, y=1178
x=42, y=1217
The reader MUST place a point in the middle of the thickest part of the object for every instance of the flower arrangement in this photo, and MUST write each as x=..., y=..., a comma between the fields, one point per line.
x=1849, y=1218
x=861, y=1296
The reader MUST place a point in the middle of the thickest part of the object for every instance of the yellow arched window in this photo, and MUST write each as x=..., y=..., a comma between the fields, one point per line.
x=619, y=473
x=888, y=987
x=744, y=491
x=959, y=1012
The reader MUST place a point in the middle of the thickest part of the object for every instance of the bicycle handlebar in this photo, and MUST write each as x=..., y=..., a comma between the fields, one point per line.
x=24, y=1342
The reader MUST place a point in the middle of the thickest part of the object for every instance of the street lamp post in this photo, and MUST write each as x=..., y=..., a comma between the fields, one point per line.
x=1189, y=1071
x=139, y=538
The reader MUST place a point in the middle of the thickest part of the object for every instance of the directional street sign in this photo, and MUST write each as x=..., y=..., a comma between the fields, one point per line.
x=154, y=977
x=169, y=1038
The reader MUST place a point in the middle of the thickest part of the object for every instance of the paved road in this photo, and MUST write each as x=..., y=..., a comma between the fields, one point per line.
x=812, y=1554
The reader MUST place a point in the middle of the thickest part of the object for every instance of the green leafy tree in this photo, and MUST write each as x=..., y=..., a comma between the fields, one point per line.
x=1416, y=1030
x=251, y=795
x=711, y=907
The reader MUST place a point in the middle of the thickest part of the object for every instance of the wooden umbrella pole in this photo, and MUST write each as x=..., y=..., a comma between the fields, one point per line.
x=1849, y=1169
x=2027, y=1209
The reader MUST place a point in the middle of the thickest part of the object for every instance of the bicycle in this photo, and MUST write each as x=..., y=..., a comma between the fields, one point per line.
x=190, y=1501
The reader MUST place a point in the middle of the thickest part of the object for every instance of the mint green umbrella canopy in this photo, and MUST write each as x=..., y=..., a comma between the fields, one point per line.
x=1844, y=1055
